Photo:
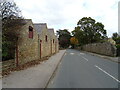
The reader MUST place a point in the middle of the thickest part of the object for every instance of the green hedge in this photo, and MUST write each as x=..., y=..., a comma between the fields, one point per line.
x=118, y=49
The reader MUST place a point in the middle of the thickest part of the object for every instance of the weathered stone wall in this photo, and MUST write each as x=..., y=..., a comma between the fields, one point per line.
x=57, y=45
x=54, y=42
x=27, y=47
x=105, y=48
x=45, y=46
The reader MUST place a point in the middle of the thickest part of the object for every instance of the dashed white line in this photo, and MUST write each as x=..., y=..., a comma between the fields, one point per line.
x=72, y=53
x=82, y=53
x=85, y=58
x=107, y=73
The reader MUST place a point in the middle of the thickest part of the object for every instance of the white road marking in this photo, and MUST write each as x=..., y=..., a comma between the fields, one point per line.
x=84, y=58
x=72, y=53
x=82, y=53
x=107, y=73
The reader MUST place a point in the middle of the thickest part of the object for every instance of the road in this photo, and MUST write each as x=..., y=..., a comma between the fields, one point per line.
x=82, y=70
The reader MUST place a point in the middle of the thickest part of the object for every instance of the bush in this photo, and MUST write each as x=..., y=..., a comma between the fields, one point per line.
x=8, y=51
x=118, y=49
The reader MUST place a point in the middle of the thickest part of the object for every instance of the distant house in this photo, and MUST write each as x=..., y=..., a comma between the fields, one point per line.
x=35, y=42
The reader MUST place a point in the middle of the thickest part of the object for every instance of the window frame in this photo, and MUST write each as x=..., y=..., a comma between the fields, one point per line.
x=31, y=32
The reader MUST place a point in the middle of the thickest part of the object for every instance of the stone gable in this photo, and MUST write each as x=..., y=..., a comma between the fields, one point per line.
x=27, y=47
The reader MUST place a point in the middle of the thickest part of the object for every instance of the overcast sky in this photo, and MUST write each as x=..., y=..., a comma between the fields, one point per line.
x=64, y=14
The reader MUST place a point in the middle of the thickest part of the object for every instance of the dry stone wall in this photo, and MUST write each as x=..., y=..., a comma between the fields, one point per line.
x=105, y=48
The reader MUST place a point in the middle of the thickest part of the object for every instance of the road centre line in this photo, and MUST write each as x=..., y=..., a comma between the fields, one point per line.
x=72, y=53
x=82, y=53
x=107, y=73
x=84, y=58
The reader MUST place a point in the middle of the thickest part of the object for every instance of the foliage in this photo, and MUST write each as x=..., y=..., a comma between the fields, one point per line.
x=11, y=21
x=64, y=38
x=118, y=49
x=89, y=31
x=74, y=42
x=116, y=37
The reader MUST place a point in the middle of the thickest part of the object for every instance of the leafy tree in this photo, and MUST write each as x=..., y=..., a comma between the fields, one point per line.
x=11, y=21
x=116, y=37
x=74, y=41
x=89, y=31
x=79, y=34
x=64, y=38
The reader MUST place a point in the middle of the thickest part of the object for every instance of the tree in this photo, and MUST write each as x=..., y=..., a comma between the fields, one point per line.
x=11, y=23
x=116, y=37
x=64, y=38
x=89, y=31
x=79, y=34
x=74, y=41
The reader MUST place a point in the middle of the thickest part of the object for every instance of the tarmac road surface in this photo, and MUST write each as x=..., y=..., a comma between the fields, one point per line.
x=82, y=70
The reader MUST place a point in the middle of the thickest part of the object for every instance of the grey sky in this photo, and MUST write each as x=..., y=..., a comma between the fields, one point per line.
x=61, y=14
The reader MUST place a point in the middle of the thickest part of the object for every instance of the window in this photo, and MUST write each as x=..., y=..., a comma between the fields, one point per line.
x=46, y=38
x=30, y=32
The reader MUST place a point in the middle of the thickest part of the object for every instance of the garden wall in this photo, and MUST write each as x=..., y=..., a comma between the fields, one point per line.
x=105, y=48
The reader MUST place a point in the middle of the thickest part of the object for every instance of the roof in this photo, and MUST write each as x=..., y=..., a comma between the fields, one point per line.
x=39, y=27
x=51, y=31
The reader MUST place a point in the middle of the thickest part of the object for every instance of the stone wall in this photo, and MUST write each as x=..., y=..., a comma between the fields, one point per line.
x=45, y=45
x=105, y=48
x=54, y=41
x=27, y=47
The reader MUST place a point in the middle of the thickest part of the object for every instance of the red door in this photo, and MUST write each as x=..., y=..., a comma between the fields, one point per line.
x=51, y=46
x=40, y=49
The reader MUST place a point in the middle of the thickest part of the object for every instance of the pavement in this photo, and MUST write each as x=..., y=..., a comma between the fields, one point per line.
x=83, y=70
x=33, y=77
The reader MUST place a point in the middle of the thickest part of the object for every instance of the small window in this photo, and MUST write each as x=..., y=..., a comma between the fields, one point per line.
x=53, y=40
x=40, y=41
x=30, y=32
x=46, y=38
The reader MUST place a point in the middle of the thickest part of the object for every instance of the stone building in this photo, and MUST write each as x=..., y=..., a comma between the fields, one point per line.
x=53, y=41
x=43, y=39
x=35, y=42
x=27, y=45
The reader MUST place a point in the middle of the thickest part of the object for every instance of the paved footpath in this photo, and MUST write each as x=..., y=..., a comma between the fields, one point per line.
x=34, y=77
